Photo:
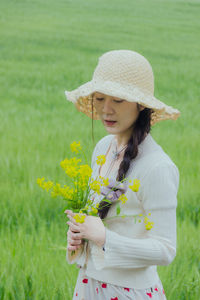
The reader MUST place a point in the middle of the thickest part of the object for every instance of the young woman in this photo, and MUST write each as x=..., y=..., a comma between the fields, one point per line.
x=120, y=261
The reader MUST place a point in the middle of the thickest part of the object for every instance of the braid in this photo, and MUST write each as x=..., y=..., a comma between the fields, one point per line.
x=140, y=128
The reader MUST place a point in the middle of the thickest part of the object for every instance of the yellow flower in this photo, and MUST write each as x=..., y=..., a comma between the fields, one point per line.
x=97, y=205
x=140, y=215
x=56, y=190
x=66, y=192
x=70, y=166
x=79, y=218
x=135, y=186
x=123, y=198
x=40, y=181
x=85, y=171
x=136, y=181
x=149, y=225
x=104, y=180
x=95, y=186
x=75, y=147
x=71, y=171
x=44, y=185
x=48, y=185
x=95, y=210
x=72, y=162
x=101, y=159
x=146, y=220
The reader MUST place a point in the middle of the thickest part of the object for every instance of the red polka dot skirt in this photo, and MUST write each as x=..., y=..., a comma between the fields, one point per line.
x=91, y=289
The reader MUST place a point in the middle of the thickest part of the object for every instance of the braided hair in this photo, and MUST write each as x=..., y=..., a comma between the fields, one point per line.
x=141, y=127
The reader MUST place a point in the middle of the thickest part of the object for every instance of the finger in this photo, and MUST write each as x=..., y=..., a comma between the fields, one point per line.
x=74, y=242
x=76, y=236
x=71, y=234
x=73, y=220
x=73, y=227
x=70, y=213
x=74, y=231
x=71, y=248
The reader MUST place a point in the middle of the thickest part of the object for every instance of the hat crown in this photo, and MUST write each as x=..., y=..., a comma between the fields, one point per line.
x=127, y=68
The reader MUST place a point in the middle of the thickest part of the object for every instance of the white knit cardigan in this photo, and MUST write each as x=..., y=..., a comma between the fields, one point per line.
x=132, y=253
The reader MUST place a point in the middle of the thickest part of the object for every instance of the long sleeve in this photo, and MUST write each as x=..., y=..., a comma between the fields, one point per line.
x=158, y=196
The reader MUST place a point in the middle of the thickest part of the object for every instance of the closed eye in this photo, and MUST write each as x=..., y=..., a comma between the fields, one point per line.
x=116, y=101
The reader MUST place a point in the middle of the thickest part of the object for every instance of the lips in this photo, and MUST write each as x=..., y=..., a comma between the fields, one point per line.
x=109, y=122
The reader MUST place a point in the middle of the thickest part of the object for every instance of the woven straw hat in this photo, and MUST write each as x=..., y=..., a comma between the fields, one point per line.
x=124, y=74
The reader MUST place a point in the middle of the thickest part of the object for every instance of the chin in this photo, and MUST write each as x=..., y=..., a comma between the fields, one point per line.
x=111, y=130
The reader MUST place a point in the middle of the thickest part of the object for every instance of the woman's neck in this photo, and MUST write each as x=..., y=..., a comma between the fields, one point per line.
x=122, y=139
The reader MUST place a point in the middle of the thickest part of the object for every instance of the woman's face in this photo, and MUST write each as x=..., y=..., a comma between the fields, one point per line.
x=117, y=115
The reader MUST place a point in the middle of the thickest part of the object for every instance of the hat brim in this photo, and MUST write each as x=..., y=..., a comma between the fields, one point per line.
x=82, y=98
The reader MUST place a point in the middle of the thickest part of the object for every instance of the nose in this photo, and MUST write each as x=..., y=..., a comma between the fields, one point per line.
x=107, y=106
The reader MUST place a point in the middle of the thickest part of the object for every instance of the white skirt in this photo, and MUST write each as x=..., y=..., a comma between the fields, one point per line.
x=88, y=288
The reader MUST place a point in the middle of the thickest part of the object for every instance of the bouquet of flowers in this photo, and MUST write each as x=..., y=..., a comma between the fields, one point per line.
x=79, y=195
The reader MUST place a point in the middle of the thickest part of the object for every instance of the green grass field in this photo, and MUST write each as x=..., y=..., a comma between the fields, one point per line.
x=47, y=47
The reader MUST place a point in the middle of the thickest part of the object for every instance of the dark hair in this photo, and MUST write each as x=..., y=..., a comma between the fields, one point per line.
x=141, y=127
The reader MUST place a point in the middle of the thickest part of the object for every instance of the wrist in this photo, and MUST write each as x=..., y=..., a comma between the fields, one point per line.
x=101, y=242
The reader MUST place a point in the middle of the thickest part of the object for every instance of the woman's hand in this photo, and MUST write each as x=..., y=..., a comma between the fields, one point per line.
x=92, y=229
x=73, y=242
